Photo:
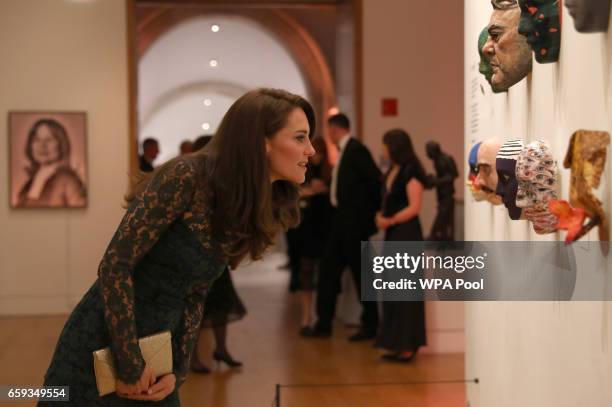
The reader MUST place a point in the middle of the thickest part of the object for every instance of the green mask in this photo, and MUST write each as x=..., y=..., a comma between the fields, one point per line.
x=541, y=24
x=484, y=67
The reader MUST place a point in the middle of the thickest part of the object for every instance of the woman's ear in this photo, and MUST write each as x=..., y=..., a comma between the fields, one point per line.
x=268, y=147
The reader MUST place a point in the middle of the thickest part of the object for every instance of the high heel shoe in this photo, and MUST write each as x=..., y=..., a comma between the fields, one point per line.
x=198, y=367
x=402, y=357
x=225, y=357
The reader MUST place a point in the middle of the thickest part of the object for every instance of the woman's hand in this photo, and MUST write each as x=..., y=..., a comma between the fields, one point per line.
x=142, y=385
x=159, y=390
x=382, y=223
x=318, y=186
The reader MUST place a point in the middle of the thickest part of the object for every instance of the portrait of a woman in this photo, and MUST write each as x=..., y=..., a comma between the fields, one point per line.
x=51, y=181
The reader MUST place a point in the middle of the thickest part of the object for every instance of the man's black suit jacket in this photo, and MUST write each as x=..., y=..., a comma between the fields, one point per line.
x=358, y=191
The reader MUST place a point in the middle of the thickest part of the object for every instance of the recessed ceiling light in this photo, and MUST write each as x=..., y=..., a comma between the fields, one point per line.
x=207, y=102
x=215, y=28
x=213, y=63
x=205, y=126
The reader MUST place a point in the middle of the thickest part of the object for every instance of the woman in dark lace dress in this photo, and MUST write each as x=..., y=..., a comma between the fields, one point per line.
x=223, y=305
x=402, y=331
x=185, y=223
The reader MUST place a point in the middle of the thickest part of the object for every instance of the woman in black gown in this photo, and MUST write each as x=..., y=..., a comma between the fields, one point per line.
x=223, y=305
x=402, y=331
x=314, y=227
x=185, y=224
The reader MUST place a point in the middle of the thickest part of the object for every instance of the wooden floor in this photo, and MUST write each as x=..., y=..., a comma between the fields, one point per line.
x=273, y=353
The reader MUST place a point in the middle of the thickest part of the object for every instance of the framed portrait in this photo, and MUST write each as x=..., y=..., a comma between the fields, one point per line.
x=47, y=159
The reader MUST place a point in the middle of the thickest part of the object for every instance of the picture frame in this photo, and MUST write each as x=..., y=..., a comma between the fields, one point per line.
x=47, y=159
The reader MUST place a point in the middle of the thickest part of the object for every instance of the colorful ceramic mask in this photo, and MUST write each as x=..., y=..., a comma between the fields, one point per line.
x=507, y=185
x=586, y=156
x=486, y=178
x=589, y=15
x=541, y=25
x=477, y=193
x=536, y=174
x=508, y=52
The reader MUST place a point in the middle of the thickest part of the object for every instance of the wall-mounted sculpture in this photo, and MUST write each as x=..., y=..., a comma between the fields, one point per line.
x=589, y=15
x=486, y=178
x=586, y=156
x=507, y=52
x=484, y=66
x=568, y=218
x=537, y=174
x=507, y=184
x=540, y=23
x=479, y=193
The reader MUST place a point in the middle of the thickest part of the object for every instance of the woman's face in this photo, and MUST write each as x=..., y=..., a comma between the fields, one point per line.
x=45, y=147
x=385, y=153
x=289, y=149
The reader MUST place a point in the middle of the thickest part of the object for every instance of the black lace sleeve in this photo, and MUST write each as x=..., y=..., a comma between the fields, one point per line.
x=187, y=336
x=167, y=195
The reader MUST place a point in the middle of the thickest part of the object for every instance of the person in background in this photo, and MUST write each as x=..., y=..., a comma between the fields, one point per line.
x=402, y=330
x=150, y=151
x=223, y=305
x=355, y=196
x=186, y=147
x=314, y=226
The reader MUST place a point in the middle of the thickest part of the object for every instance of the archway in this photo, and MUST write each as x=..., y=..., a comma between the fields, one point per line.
x=153, y=22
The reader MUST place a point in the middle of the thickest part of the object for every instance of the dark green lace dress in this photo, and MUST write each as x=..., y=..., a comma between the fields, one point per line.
x=154, y=276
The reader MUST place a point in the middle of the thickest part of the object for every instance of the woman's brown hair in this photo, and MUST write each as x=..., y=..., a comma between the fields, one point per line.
x=247, y=207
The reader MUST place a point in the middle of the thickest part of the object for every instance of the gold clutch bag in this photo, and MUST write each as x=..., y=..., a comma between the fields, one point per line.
x=156, y=350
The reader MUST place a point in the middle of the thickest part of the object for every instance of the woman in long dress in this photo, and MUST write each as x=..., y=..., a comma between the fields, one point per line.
x=402, y=331
x=184, y=224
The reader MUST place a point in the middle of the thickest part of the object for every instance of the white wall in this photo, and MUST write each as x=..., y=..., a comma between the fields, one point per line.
x=413, y=51
x=63, y=55
x=548, y=353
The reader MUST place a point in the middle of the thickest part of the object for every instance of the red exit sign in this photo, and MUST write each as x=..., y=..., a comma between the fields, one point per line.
x=389, y=107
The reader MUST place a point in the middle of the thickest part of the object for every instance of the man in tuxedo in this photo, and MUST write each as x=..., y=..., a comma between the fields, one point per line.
x=355, y=196
x=150, y=150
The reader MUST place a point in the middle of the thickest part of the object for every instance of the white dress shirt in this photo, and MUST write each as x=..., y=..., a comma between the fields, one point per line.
x=334, y=181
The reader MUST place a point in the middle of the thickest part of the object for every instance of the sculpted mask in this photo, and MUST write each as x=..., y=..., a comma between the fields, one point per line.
x=586, y=156
x=486, y=178
x=541, y=25
x=589, y=15
x=477, y=193
x=507, y=185
x=508, y=52
x=536, y=173
x=484, y=67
